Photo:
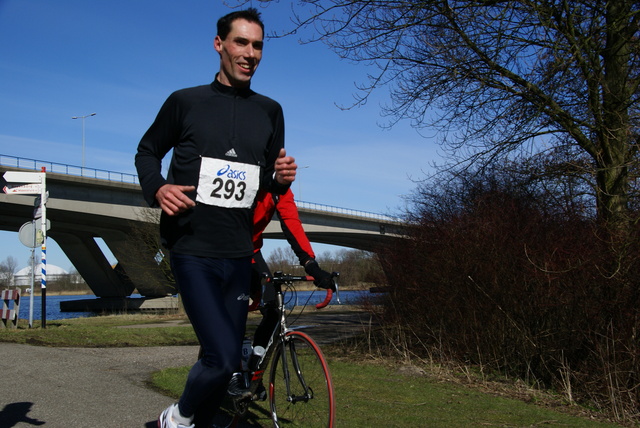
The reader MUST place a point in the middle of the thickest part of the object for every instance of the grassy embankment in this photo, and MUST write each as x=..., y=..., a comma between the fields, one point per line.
x=370, y=391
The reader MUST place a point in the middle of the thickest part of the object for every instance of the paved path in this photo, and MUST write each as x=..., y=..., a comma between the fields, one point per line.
x=83, y=387
x=105, y=387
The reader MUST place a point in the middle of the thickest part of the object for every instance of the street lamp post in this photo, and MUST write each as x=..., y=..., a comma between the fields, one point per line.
x=83, y=118
x=299, y=198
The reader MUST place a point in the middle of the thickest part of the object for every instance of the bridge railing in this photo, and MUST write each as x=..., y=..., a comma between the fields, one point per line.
x=123, y=177
x=60, y=168
x=346, y=211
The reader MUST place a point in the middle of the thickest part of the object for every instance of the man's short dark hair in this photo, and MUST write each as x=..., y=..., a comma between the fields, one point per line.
x=251, y=15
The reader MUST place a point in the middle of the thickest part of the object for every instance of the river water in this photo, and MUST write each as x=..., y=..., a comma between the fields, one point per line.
x=53, y=311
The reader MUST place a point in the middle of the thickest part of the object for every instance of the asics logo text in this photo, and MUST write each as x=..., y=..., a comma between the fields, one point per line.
x=232, y=173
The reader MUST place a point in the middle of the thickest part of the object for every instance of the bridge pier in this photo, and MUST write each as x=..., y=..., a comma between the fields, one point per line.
x=139, y=264
x=85, y=254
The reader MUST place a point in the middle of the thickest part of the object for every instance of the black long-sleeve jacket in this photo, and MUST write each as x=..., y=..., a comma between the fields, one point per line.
x=225, y=142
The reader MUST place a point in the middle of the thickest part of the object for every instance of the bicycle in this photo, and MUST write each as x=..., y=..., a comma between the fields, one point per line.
x=300, y=388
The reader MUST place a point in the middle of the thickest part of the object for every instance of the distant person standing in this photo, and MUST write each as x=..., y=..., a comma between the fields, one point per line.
x=228, y=142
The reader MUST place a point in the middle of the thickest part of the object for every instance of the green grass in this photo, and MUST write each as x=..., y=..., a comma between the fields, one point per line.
x=105, y=331
x=367, y=394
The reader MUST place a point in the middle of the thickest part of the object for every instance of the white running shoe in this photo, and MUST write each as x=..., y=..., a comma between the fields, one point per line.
x=166, y=421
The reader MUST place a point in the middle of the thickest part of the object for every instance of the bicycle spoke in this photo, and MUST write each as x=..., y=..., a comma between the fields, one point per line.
x=301, y=392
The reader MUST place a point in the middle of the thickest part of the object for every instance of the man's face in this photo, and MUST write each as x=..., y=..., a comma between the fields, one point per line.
x=240, y=53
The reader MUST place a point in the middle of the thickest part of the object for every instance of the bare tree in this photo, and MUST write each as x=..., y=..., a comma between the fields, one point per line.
x=500, y=77
x=282, y=259
x=7, y=269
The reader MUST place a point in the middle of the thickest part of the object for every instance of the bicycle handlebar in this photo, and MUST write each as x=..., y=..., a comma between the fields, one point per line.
x=326, y=300
x=283, y=278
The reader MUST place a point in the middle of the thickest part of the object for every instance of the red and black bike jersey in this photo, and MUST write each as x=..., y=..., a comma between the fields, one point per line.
x=284, y=205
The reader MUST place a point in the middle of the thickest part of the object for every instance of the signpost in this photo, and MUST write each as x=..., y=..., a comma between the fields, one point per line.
x=33, y=183
x=30, y=234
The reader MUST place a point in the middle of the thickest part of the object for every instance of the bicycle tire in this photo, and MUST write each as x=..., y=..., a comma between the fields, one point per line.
x=314, y=408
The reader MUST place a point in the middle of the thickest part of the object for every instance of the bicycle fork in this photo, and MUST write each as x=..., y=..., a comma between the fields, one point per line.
x=295, y=365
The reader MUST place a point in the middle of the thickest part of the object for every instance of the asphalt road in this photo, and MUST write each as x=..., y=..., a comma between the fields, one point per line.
x=107, y=387
x=84, y=387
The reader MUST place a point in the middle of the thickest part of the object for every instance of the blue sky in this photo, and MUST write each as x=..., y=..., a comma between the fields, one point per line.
x=121, y=59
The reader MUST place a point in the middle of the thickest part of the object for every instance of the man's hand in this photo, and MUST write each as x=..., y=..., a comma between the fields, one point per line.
x=173, y=200
x=321, y=278
x=285, y=168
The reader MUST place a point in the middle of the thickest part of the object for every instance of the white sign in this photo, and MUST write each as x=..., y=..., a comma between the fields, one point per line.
x=23, y=177
x=23, y=189
x=30, y=233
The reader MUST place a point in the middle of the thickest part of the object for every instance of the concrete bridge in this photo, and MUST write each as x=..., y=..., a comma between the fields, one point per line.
x=86, y=203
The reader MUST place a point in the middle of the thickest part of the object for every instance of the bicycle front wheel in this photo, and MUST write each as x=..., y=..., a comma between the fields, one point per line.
x=300, y=387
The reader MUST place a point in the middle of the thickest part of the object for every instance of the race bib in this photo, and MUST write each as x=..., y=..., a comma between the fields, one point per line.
x=227, y=184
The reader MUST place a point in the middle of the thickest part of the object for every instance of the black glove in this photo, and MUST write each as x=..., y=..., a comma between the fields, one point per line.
x=321, y=278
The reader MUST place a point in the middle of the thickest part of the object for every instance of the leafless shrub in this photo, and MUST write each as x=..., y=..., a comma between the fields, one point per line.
x=496, y=275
